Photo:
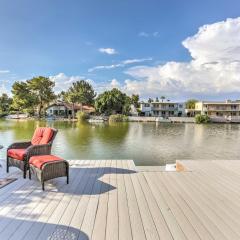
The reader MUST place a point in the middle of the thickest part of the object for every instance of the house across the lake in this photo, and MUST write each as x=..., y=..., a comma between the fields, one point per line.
x=162, y=109
x=62, y=109
x=218, y=108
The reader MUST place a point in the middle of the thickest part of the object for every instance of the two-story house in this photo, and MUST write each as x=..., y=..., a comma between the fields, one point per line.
x=162, y=109
x=218, y=109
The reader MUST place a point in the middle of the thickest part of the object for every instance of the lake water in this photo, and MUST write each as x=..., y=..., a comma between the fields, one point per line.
x=145, y=143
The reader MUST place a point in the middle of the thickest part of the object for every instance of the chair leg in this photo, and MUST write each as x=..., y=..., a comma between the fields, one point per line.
x=30, y=176
x=7, y=166
x=67, y=179
x=24, y=174
x=43, y=187
x=67, y=169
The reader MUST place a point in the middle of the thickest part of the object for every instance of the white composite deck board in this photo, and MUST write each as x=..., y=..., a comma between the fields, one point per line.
x=106, y=199
x=216, y=178
x=196, y=221
x=99, y=230
x=211, y=197
x=90, y=214
x=112, y=213
x=197, y=209
x=167, y=212
x=214, y=208
x=125, y=232
x=147, y=219
x=53, y=221
x=65, y=220
x=177, y=221
x=134, y=213
x=79, y=214
x=224, y=195
x=162, y=228
x=208, y=209
x=26, y=212
x=215, y=212
x=45, y=218
x=12, y=206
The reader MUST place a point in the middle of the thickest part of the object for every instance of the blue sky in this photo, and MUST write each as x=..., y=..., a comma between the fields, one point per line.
x=73, y=37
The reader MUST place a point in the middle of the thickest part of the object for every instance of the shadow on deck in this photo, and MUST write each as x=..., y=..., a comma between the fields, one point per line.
x=32, y=230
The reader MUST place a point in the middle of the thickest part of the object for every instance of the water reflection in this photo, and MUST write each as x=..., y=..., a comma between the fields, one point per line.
x=146, y=143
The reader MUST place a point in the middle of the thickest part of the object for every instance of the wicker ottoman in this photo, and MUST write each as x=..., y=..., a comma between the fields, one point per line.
x=46, y=167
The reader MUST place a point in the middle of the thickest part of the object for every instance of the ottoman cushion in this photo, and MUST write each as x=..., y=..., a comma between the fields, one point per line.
x=39, y=161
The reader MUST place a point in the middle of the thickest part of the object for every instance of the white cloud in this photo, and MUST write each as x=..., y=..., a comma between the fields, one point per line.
x=121, y=64
x=109, y=51
x=214, y=69
x=146, y=35
x=4, y=71
x=115, y=83
x=143, y=34
x=3, y=88
x=216, y=42
x=63, y=82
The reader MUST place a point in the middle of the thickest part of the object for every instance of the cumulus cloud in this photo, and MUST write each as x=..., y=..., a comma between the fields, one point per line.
x=63, y=82
x=3, y=87
x=121, y=64
x=109, y=51
x=4, y=71
x=214, y=69
x=115, y=83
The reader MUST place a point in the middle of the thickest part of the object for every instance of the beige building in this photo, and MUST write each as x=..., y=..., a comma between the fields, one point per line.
x=218, y=109
x=162, y=109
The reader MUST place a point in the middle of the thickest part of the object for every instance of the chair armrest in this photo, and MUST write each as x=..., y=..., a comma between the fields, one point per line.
x=19, y=145
x=43, y=149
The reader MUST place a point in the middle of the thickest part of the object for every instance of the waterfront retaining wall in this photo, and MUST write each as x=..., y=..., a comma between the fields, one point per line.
x=153, y=119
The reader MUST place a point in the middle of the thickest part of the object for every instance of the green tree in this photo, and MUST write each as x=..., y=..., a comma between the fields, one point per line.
x=190, y=104
x=202, y=119
x=135, y=100
x=162, y=98
x=42, y=89
x=60, y=96
x=23, y=98
x=150, y=100
x=80, y=92
x=156, y=100
x=5, y=103
x=112, y=102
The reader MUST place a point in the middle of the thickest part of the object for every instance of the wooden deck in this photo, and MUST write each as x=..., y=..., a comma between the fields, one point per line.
x=110, y=200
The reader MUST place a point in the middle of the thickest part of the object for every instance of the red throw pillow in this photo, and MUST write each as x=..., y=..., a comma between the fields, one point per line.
x=42, y=135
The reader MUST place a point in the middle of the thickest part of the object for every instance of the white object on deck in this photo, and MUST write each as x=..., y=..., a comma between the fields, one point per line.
x=170, y=167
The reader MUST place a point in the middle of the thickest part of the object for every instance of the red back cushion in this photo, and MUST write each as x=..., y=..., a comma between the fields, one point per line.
x=42, y=135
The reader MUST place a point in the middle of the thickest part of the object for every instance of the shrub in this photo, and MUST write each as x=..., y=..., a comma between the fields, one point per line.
x=202, y=118
x=118, y=118
x=82, y=116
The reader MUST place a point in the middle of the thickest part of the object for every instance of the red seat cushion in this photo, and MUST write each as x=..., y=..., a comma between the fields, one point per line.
x=39, y=161
x=16, y=153
x=42, y=135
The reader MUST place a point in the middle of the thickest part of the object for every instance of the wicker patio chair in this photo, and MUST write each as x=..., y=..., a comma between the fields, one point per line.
x=19, y=153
